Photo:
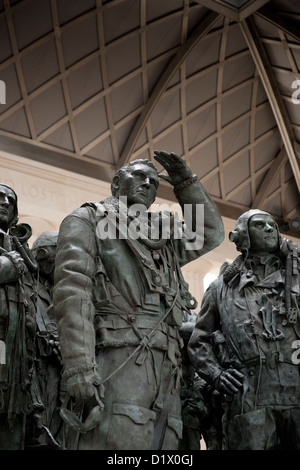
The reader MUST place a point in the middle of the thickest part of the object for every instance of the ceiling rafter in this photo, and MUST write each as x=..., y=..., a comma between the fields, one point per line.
x=293, y=212
x=253, y=134
x=184, y=129
x=65, y=27
x=289, y=27
x=83, y=105
x=222, y=55
x=267, y=182
x=235, y=156
x=230, y=209
x=278, y=41
x=234, y=191
x=144, y=70
x=278, y=191
x=162, y=83
x=242, y=185
x=204, y=127
x=212, y=137
x=62, y=69
x=19, y=70
x=105, y=81
x=271, y=88
x=273, y=170
x=169, y=91
x=19, y=54
x=288, y=52
x=45, y=153
x=183, y=83
x=197, y=148
x=77, y=20
x=231, y=9
x=26, y=50
x=54, y=127
x=211, y=68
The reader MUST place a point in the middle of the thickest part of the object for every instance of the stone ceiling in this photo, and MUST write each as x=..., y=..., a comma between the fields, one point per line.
x=88, y=85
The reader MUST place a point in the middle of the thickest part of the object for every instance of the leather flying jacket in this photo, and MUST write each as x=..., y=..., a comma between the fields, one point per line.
x=250, y=313
x=96, y=276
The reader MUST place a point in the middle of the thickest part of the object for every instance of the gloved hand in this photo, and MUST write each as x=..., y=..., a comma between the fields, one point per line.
x=85, y=384
x=229, y=381
x=12, y=266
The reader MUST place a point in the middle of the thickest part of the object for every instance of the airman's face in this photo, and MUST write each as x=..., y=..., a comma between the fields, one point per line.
x=139, y=185
x=7, y=207
x=263, y=234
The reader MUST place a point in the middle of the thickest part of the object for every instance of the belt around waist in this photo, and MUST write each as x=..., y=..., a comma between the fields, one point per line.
x=139, y=321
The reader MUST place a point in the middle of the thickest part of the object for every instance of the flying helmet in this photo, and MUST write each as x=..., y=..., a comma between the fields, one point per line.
x=15, y=217
x=47, y=238
x=240, y=234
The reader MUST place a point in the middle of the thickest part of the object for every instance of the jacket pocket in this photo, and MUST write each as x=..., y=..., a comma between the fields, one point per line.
x=131, y=427
x=173, y=433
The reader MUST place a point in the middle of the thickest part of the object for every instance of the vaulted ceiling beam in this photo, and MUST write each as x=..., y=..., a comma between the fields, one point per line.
x=268, y=180
x=271, y=88
x=234, y=10
x=287, y=26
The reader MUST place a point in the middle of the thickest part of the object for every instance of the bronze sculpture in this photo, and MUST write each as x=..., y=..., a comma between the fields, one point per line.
x=47, y=357
x=17, y=324
x=193, y=409
x=119, y=302
x=244, y=341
